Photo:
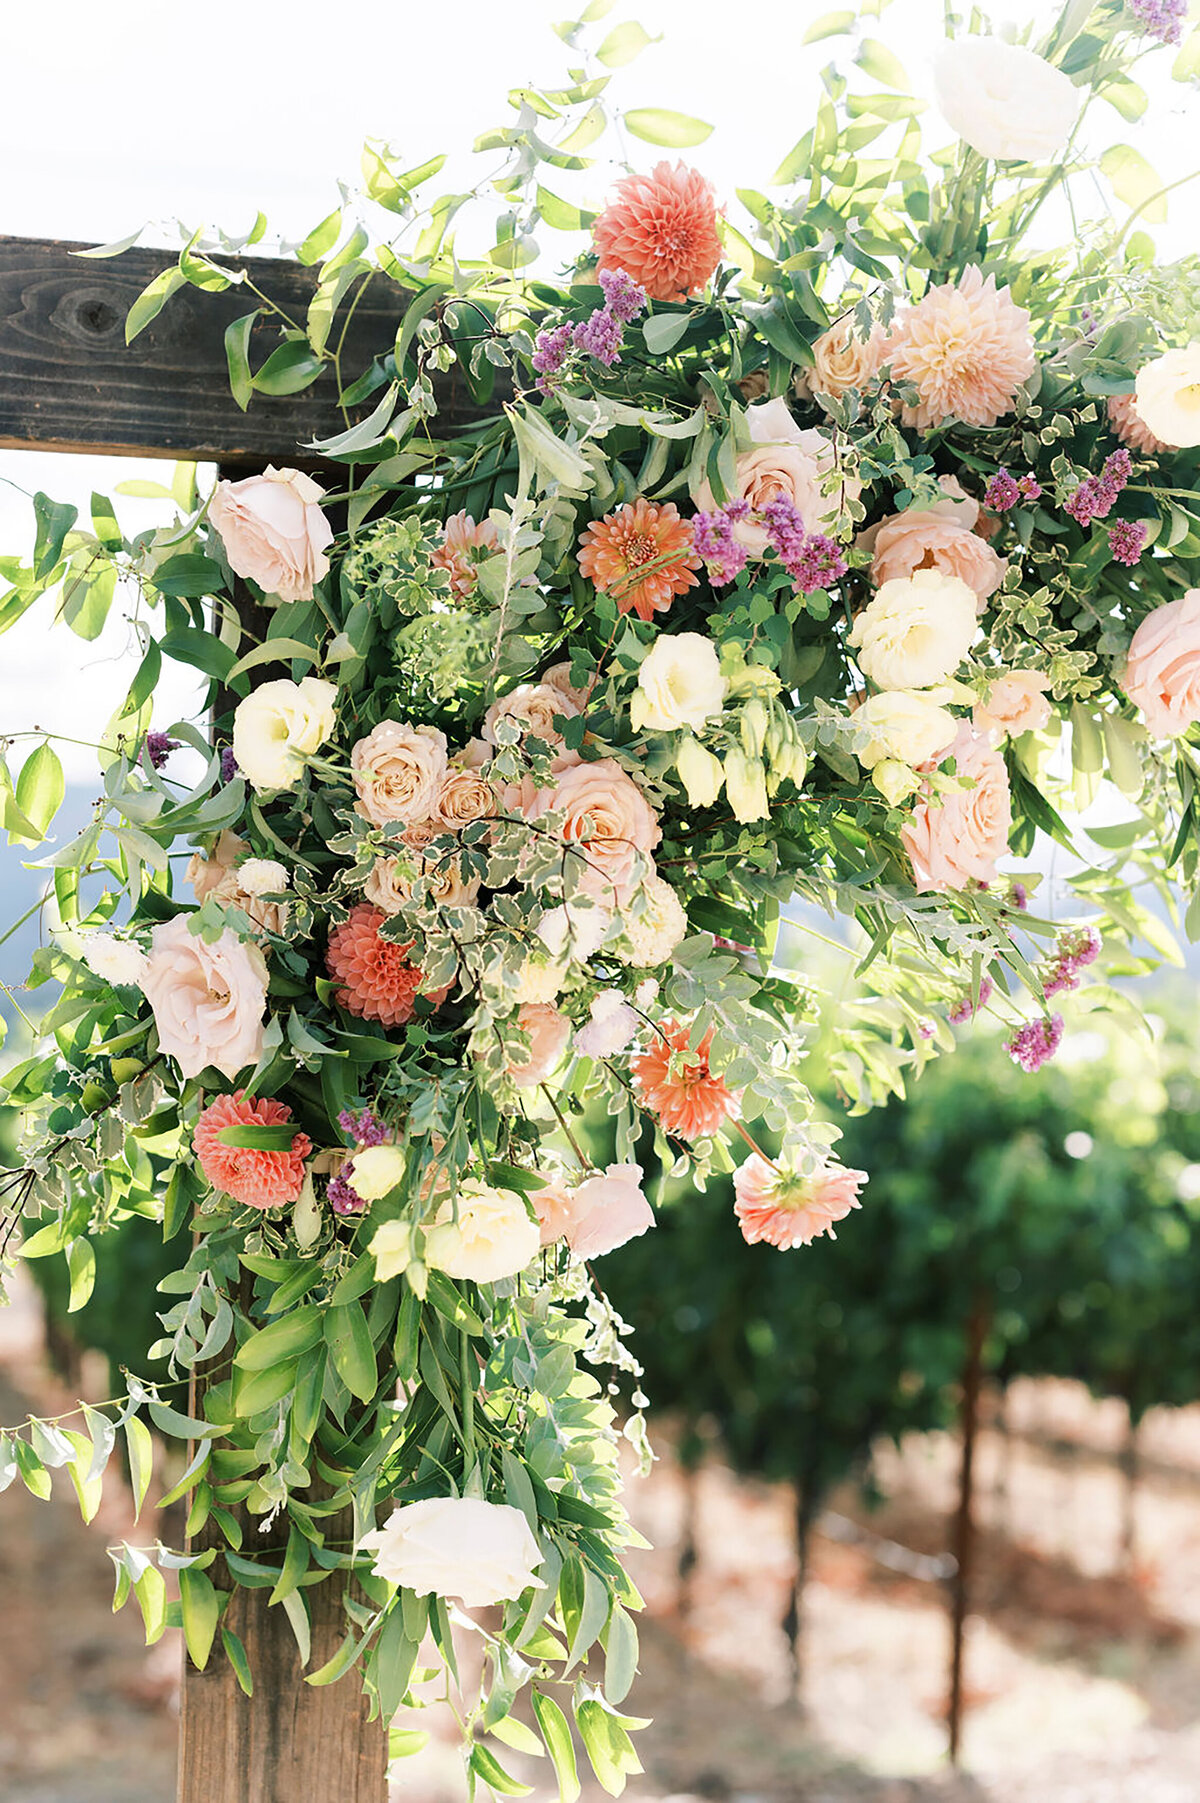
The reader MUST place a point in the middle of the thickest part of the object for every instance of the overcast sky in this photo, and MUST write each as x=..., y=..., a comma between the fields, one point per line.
x=142, y=110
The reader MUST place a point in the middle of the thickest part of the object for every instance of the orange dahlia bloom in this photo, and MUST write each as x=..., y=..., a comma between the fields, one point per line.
x=641, y=555
x=787, y=1210
x=378, y=982
x=661, y=229
x=678, y=1086
x=256, y=1178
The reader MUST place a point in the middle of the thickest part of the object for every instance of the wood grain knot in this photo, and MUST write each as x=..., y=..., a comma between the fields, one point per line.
x=90, y=316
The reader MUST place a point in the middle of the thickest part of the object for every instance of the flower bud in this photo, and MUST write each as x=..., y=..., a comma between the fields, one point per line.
x=699, y=772
x=895, y=781
x=756, y=722
x=746, y=786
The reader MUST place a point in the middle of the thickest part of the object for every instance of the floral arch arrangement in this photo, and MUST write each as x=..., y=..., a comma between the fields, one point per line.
x=830, y=556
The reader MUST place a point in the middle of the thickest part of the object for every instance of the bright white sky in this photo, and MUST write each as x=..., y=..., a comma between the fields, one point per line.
x=208, y=114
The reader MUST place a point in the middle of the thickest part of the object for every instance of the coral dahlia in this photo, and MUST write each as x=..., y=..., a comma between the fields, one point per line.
x=461, y=535
x=966, y=348
x=786, y=1209
x=641, y=555
x=378, y=982
x=677, y=1084
x=661, y=229
x=251, y=1176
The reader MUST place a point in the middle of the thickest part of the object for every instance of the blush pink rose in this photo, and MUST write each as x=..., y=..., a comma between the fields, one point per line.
x=936, y=538
x=1016, y=702
x=607, y=819
x=208, y=1000
x=552, y=1206
x=532, y=708
x=548, y=1032
x=956, y=836
x=399, y=772
x=1162, y=670
x=608, y=1210
x=274, y=532
x=795, y=465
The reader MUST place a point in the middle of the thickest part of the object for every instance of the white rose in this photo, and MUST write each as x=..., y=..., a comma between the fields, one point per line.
x=263, y=876
x=1167, y=396
x=116, y=960
x=915, y=631
x=911, y=729
x=376, y=1170
x=479, y=1552
x=1004, y=101
x=679, y=684
x=277, y=728
x=493, y=1237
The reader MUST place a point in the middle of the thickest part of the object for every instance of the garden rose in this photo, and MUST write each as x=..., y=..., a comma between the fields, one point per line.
x=532, y=706
x=608, y=1210
x=464, y=796
x=1167, y=396
x=1162, y=670
x=907, y=727
x=957, y=836
x=274, y=532
x=493, y=1237
x=1016, y=702
x=399, y=772
x=552, y=1206
x=479, y=1552
x=679, y=684
x=279, y=726
x=935, y=538
x=842, y=360
x=608, y=820
x=794, y=464
x=208, y=1000
x=916, y=631
x=1003, y=100
x=548, y=1032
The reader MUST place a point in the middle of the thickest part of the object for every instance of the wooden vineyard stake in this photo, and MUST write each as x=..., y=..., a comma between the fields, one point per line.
x=964, y=1521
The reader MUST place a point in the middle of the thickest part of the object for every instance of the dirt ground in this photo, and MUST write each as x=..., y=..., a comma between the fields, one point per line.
x=1083, y=1681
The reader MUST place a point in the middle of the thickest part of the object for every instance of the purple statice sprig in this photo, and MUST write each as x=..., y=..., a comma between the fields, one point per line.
x=714, y=540
x=229, y=764
x=1074, y=950
x=365, y=1129
x=1096, y=496
x=1001, y=492
x=623, y=297
x=812, y=559
x=600, y=337
x=1036, y=1042
x=341, y=1195
x=158, y=747
x=1127, y=541
x=551, y=349
x=1161, y=19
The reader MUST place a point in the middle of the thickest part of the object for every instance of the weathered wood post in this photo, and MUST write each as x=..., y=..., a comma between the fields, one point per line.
x=964, y=1521
x=69, y=382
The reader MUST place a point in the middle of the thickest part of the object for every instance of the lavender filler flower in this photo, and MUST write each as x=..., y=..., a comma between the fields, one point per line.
x=159, y=746
x=1162, y=19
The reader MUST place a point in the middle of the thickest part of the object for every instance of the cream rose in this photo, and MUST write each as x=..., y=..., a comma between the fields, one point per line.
x=493, y=1237
x=273, y=531
x=388, y=887
x=548, y=1032
x=916, y=630
x=1162, y=670
x=607, y=820
x=957, y=836
x=208, y=1000
x=1015, y=703
x=223, y=875
x=679, y=684
x=399, y=772
x=908, y=728
x=479, y=1552
x=463, y=797
x=279, y=726
x=1003, y=100
x=532, y=707
x=1167, y=396
x=842, y=360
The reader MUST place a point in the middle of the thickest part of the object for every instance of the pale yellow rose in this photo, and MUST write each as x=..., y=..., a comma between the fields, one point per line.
x=493, y=1237
x=208, y=1000
x=398, y=772
x=895, y=781
x=274, y=532
x=1167, y=396
x=679, y=684
x=279, y=727
x=915, y=631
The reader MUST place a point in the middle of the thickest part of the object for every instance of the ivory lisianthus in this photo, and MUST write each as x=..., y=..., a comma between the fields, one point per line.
x=1003, y=100
x=274, y=532
x=916, y=631
x=907, y=727
x=208, y=999
x=956, y=836
x=279, y=727
x=788, y=1209
x=493, y=1236
x=677, y=1084
x=1162, y=670
x=256, y=1177
x=399, y=771
x=966, y=349
x=479, y=1552
x=641, y=555
x=679, y=684
x=607, y=1210
x=661, y=229
x=1167, y=396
